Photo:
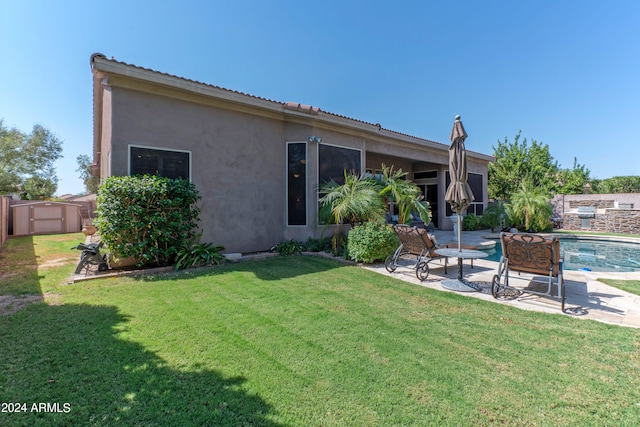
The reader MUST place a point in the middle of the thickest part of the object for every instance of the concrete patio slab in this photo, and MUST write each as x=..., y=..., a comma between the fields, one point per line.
x=586, y=297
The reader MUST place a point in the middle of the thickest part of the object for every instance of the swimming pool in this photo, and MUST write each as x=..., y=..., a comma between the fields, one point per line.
x=591, y=255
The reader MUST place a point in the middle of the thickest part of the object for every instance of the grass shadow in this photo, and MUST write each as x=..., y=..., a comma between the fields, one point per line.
x=273, y=268
x=19, y=267
x=80, y=361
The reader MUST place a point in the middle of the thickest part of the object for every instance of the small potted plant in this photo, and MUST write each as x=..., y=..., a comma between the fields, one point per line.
x=88, y=229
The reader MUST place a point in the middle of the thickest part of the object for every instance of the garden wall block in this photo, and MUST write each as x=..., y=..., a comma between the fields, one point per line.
x=615, y=213
x=624, y=221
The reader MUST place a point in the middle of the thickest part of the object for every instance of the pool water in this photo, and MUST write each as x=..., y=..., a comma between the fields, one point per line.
x=591, y=255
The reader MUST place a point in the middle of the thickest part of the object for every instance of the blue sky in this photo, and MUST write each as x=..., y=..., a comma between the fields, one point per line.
x=566, y=73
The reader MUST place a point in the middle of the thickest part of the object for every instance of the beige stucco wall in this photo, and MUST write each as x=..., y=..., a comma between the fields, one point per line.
x=238, y=162
x=375, y=161
x=106, y=128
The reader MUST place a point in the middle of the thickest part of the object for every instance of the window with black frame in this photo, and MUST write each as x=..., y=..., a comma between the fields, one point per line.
x=296, y=183
x=333, y=161
x=165, y=163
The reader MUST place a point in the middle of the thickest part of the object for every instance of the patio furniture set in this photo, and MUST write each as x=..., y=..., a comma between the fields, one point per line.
x=528, y=260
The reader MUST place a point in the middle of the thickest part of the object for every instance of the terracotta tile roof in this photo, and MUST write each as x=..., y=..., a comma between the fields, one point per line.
x=292, y=106
x=301, y=107
x=179, y=77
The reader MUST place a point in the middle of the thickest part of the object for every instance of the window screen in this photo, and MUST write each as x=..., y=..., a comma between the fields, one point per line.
x=475, y=182
x=165, y=163
x=334, y=161
x=297, y=183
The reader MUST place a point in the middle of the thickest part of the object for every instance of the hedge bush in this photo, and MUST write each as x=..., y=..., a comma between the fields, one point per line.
x=147, y=217
x=471, y=222
x=319, y=245
x=370, y=242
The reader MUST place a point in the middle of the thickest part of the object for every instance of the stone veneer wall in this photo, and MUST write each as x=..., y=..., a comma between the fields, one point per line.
x=626, y=221
x=607, y=218
x=598, y=204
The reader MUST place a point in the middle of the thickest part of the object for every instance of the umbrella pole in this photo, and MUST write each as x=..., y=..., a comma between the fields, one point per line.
x=460, y=247
x=459, y=233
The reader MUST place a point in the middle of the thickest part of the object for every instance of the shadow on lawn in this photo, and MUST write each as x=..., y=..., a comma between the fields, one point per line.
x=19, y=267
x=71, y=354
x=274, y=268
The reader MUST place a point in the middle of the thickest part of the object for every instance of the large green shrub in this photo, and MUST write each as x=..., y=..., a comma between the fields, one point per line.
x=147, y=217
x=370, y=242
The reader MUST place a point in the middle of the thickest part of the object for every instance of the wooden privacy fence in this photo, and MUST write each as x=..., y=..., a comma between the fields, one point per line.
x=4, y=219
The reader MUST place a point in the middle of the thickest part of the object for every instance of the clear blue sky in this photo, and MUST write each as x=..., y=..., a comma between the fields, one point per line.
x=566, y=73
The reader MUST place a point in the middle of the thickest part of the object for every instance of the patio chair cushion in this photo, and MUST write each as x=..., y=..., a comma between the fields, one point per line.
x=430, y=241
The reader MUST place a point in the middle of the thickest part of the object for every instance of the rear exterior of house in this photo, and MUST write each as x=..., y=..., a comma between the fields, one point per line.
x=257, y=163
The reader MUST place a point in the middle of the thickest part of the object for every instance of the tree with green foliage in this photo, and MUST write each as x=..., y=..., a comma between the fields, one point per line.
x=10, y=142
x=27, y=162
x=147, y=217
x=572, y=181
x=37, y=188
x=495, y=215
x=405, y=195
x=517, y=162
x=530, y=208
x=361, y=199
x=91, y=183
x=356, y=201
x=617, y=184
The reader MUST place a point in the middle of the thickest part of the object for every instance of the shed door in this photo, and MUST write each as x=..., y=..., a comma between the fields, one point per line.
x=46, y=219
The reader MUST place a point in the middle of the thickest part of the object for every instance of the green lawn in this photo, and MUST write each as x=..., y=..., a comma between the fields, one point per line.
x=631, y=286
x=35, y=264
x=306, y=341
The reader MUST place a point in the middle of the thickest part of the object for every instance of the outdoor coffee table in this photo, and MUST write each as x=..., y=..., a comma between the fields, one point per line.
x=460, y=284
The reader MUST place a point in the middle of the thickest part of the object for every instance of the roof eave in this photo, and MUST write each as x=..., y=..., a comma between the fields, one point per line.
x=103, y=65
x=155, y=77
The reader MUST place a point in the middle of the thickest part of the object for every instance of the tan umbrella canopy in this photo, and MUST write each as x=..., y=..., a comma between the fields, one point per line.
x=459, y=194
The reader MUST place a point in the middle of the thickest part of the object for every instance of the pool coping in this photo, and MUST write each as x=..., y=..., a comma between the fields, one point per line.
x=585, y=237
x=570, y=236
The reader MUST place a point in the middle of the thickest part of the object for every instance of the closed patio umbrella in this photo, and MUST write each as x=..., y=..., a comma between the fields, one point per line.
x=459, y=194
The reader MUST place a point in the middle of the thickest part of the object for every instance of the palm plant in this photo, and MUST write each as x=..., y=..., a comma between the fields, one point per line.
x=496, y=215
x=356, y=201
x=405, y=194
x=530, y=208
